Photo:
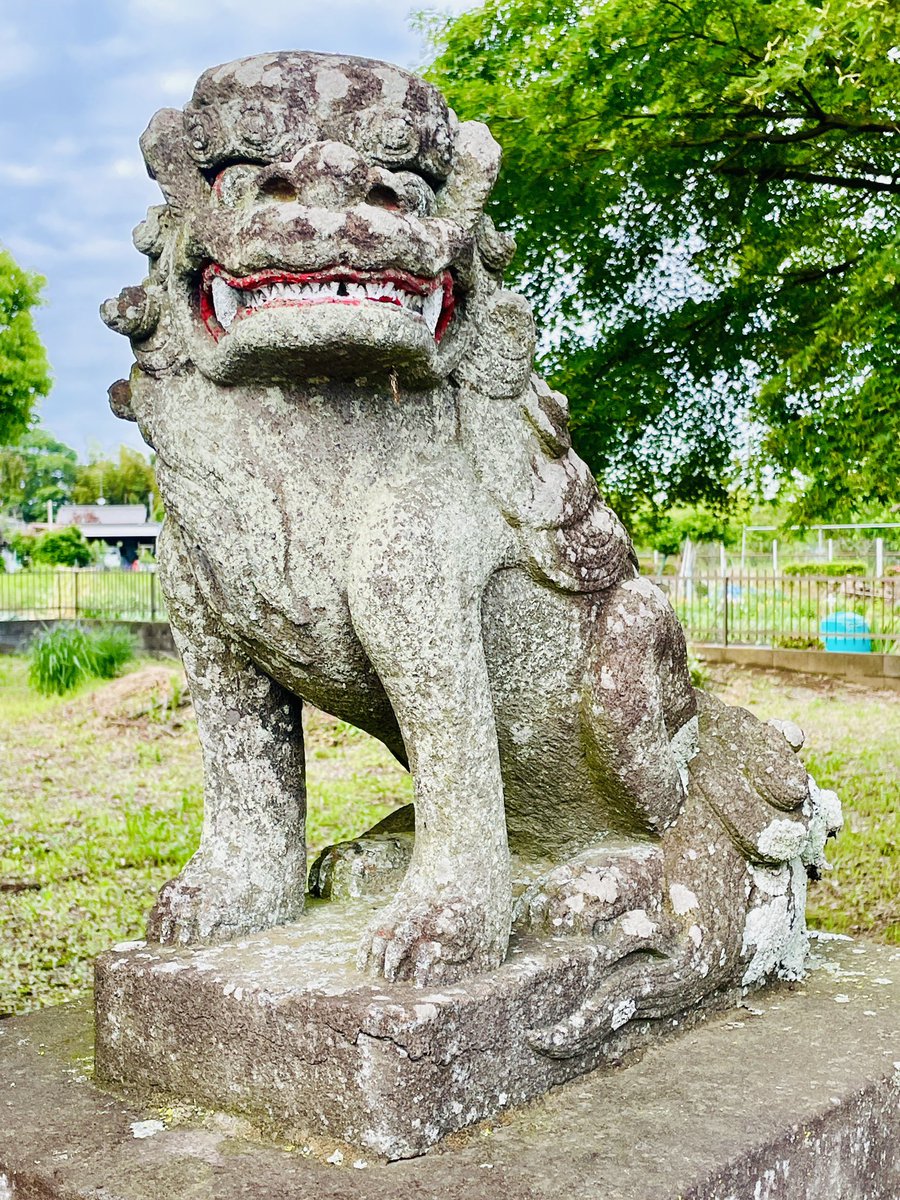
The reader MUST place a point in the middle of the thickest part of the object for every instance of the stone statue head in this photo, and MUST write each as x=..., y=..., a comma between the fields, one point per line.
x=324, y=215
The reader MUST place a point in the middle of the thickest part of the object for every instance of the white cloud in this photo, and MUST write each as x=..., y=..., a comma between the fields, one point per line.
x=18, y=57
x=128, y=168
x=179, y=84
x=22, y=174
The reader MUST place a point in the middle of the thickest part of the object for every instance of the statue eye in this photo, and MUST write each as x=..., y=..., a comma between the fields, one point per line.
x=232, y=183
x=401, y=191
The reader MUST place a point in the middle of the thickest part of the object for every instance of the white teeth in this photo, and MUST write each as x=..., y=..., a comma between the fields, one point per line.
x=225, y=301
x=431, y=310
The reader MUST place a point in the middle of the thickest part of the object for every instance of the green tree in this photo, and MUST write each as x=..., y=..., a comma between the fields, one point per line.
x=39, y=468
x=129, y=479
x=24, y=371
x=705, y=199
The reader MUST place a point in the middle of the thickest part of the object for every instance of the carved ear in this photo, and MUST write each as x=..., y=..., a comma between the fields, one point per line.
x=476, y=164
x=165, y=150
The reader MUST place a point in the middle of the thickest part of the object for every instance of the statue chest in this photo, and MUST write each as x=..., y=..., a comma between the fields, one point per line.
x=271, y=498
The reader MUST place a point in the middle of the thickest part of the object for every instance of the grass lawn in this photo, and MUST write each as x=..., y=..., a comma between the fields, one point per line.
x=100, y=801
x=100, y=804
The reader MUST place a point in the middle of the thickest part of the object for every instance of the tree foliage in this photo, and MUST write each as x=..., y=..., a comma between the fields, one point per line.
x=130, y=479
x=24, y=371
x=39, y=468
x=705, y=198
x=66, y=547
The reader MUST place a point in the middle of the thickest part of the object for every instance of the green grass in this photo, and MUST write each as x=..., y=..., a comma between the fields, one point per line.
x=98, y=810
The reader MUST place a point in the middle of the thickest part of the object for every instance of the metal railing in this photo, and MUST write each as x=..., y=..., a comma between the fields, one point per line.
x=72, y=594
x=801, y=612
x=790, y=611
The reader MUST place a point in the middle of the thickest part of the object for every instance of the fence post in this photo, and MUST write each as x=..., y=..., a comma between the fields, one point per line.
x=152, y=595
x=77, y=573
x=879, y=557
x=727, y=588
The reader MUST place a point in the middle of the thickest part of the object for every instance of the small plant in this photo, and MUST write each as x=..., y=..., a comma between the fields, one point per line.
x=799, y=642
x=111, y=647
x=699, y=671
x=61, y=658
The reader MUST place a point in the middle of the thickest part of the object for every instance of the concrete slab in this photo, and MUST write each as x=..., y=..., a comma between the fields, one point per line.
x=794, y=1097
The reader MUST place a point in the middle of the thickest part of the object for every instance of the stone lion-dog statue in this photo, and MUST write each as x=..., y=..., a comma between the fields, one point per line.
x=373, y=506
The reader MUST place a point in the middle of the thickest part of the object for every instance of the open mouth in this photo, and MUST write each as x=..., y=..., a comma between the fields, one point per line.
x=225, y=300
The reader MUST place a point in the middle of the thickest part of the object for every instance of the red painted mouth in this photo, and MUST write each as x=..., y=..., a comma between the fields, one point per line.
x=225, y=300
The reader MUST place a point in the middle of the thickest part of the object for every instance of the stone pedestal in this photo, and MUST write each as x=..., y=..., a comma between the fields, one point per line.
x=283, y=1029
x=795, y=1096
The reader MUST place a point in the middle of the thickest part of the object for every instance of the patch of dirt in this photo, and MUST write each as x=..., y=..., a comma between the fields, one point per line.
x=157, y=692
x=735, y=683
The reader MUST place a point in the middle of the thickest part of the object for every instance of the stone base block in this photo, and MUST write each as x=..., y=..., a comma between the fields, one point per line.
x=795, y=1096
x=283, y=1029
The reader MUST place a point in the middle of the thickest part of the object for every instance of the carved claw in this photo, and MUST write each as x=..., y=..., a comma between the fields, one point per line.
x=432, y=940
x=364, y=867
x=204, y=906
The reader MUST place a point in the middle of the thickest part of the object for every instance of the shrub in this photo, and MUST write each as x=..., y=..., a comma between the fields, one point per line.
x=22, y=545
x=63, y=657
x=840, y=566
x=799, y=642
x=62, y=547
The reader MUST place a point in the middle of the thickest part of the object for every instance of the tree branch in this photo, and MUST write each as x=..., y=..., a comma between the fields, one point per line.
x=842, y=181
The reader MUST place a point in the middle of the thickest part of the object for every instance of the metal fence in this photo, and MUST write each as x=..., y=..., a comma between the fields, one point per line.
x=70, y=595
x=797, y=612
x=800, y=612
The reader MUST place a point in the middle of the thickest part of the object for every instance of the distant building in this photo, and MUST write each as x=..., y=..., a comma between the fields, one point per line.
x=123, y=527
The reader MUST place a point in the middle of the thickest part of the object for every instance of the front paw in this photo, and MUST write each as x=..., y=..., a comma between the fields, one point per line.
x=203, y=906
x=437, y=940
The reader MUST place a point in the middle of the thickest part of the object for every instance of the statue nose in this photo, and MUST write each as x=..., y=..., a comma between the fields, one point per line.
x=322, y=175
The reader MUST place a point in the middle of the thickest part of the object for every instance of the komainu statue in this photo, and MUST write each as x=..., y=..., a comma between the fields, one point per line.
x=373, y=506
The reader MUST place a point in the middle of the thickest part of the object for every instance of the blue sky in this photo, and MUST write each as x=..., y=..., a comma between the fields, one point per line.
x=79, y=80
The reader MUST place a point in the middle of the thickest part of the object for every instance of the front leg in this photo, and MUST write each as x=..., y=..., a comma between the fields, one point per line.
x=417, y=576
x=249, y=873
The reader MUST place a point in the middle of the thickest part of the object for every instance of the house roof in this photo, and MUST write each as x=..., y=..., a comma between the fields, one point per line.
x=84, y=515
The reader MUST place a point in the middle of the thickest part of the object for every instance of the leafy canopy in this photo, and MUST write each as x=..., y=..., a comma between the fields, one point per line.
x=24, y=371
x=37, y=469
x=128, y=480
x=705, y=198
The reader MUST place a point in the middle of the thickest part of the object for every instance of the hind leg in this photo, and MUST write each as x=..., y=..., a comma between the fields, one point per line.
x=640, y=714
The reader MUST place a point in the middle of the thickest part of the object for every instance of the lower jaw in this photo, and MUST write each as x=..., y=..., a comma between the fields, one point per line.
x=342, y=340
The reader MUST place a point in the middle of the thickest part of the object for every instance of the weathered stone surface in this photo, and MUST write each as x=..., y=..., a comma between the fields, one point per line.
x=293, y=1035
x=374, y=506
x=796, y=1097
